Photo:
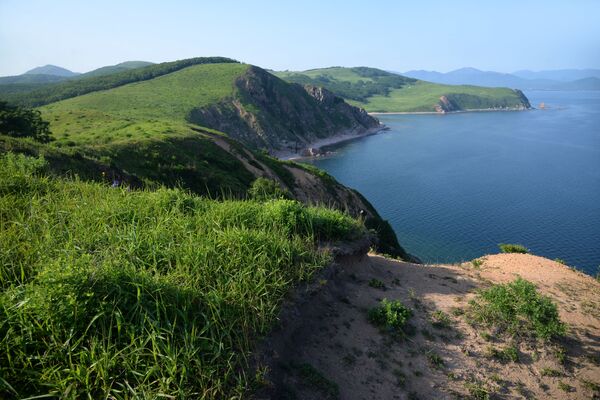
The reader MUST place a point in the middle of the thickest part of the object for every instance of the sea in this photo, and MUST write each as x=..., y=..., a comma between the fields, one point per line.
x=454, y=186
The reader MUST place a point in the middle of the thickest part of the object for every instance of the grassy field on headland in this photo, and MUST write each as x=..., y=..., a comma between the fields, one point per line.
x=380, y=91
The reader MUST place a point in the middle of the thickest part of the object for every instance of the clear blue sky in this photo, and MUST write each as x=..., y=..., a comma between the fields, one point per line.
x=394, y=35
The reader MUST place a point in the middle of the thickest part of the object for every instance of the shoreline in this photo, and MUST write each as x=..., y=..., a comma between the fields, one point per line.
x=449, y=112
x=288, y=155
x=330, y=141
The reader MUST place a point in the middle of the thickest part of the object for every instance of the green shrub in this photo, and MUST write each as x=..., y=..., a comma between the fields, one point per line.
x=263, y=189
x=392, y=316
x=513, y=248
x=517, y=308
x=23, y=122
x=507, y=354
x=377, y=284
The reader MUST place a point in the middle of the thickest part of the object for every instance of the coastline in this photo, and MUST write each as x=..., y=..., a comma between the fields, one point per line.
x=317, y=145
x=470, y=110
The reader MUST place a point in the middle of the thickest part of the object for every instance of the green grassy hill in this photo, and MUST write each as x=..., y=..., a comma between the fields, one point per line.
x=150, y=132
x=380, y=91
x=112, y=69
x=246, y=102
x=112, y=293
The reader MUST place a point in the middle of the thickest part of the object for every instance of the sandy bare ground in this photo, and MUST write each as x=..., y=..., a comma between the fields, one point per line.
x=326, y=347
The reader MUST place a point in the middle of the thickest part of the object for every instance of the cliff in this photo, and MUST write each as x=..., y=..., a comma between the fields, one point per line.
x=266, y=112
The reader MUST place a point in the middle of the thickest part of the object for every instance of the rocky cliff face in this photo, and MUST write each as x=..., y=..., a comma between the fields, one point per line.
x=464, y=102
x=267, y=112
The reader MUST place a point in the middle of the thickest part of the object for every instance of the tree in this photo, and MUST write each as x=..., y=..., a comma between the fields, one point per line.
x=23, y=122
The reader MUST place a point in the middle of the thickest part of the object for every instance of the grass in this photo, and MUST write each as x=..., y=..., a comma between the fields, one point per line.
x=513, y=248
x=424, y=96
x=377, y=284
x=112, y=293
x=391, y=316
x=440, y=320
x=315, y=379
x=550, y=372
x=160, y=105
x=477, y=263
x=517, y=308
x=435, y=360
x=380, y=91
x=36, y=95
x=505, y=355
x=477, y=390
x=565, y=387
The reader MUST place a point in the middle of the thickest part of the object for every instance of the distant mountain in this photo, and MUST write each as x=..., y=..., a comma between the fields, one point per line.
x=49, y=74
x=526, y=80
x=30, y=79
x=51, y=70
x=111, y=69
x=592, y=83
x=563, y=75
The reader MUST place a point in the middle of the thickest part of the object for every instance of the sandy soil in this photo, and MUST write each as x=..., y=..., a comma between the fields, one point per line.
x=326, y=348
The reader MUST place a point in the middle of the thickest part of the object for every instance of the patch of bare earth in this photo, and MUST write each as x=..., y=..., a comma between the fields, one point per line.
x=326, y=347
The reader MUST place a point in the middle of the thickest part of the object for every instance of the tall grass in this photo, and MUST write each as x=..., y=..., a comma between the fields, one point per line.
x=110, y=293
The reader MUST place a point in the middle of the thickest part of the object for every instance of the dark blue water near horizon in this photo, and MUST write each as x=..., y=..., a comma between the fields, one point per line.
x=454, y=186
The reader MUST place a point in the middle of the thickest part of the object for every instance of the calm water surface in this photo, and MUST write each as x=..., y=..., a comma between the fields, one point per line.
x=454, y=186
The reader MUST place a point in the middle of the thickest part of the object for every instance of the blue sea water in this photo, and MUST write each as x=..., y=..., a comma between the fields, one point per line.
x=454, y=186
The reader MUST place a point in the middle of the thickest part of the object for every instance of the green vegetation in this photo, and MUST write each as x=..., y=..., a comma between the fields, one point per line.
x=477, y=390
x=380, y=91
x=477, y=263
x=357, y=84
x=550, y=372
x=116, y=293
x=565, y=387
x=440, y=320
x=518, y=309
x=391, y=316
x=435, y=360
x=513, y=248
x=77, y=87
x=505, y=355
x=313, y=377
x=377, y=284
x=113, y=69
x=264, y=189
x=23, y=122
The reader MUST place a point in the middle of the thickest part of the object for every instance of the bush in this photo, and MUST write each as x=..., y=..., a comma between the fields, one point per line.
x=392, y=316
x=23, y=122
x=263, y=189
x=513, y=248
x=517, y=308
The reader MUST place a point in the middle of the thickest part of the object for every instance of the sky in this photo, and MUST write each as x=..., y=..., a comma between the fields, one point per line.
x=394, y=35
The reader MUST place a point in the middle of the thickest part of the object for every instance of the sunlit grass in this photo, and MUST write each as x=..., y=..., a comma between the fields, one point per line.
x=112, y=293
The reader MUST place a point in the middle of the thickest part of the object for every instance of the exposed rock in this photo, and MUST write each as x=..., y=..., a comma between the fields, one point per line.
x=267, y=112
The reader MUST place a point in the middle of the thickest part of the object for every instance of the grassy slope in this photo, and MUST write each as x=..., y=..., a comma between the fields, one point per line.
x=142, y=109
x=411, y=97
x=422, y=96
x=130, y=294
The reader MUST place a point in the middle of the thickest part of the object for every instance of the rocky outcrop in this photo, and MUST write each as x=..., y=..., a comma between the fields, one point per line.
x=267, y=112
x=467, y=102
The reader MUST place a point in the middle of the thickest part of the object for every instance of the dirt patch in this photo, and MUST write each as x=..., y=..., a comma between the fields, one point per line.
x=325, y=346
